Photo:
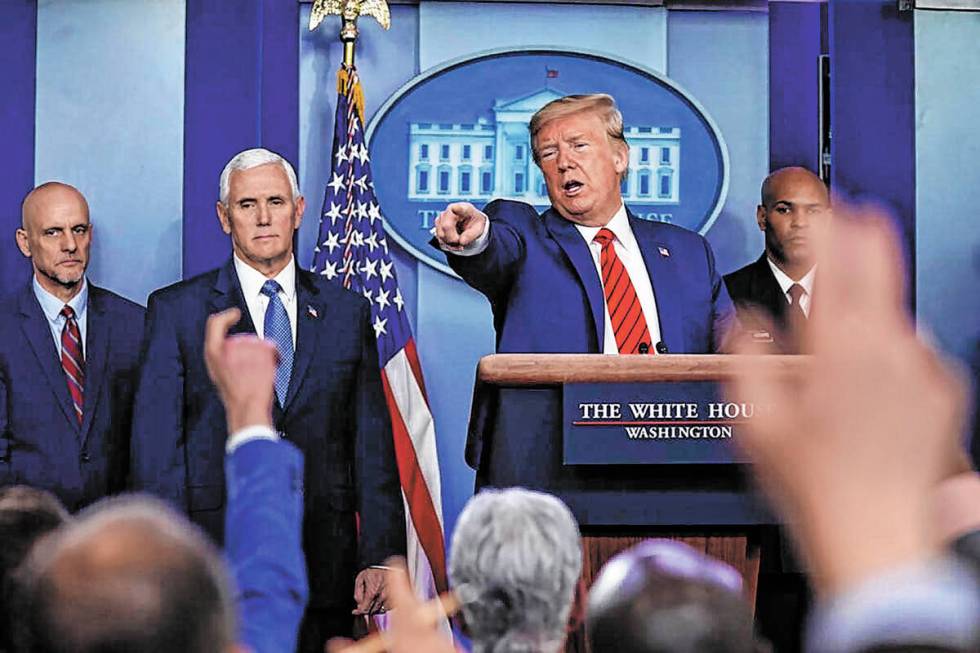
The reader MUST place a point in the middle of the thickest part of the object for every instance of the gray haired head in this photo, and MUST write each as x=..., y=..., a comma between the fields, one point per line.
x=519, y=554
x=254, y=158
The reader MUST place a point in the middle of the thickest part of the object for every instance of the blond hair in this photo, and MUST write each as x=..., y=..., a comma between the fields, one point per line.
x=600, y=104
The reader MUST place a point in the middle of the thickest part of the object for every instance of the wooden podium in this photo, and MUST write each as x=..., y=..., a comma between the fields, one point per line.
x=517, y=436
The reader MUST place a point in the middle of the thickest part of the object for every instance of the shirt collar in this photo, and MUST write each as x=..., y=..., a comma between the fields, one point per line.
x=51, y=305
x=785, y=282
x=252, y=280
x=619, y=224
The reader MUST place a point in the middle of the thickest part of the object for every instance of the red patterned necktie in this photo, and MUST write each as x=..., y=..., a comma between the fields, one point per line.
x=625, y=313
x=73, y=361
x=796, y=314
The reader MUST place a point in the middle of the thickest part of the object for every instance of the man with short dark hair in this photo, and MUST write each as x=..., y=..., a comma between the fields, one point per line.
x=662, y=596
x=26, y=515
x=69, y=353
x=795, y=204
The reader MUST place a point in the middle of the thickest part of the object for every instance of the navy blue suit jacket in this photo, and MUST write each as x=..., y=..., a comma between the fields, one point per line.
x=263, y=544
x=335, y=413
x=41, y=442
x=546, y=296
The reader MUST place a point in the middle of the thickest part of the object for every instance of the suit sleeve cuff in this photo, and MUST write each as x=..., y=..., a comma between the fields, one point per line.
x=249, y=433
x=933, y=603
x=474, y=248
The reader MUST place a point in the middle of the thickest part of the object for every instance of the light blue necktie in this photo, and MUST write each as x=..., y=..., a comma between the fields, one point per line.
x=276, y=328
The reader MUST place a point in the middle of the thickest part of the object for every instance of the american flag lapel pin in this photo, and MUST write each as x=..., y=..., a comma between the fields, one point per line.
x=312, y=312
x=664, y=252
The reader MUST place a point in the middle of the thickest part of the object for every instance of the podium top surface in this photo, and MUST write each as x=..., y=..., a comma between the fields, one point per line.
x=556, y=369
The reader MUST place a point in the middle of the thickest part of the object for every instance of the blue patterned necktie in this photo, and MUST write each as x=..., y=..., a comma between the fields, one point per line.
x=276, y=328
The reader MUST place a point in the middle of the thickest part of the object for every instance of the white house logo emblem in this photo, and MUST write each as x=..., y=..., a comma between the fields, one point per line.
x=460, y=133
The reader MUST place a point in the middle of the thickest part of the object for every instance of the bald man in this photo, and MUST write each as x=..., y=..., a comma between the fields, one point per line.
x=795, y=204
x=68, y=360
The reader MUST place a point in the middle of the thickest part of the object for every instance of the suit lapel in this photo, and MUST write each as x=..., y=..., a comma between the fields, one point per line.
x=309, y=313
x=227, y=293
x=577, y=251
x=766, y=288
x=38, y=334
x=665, y=281
x=97, y=339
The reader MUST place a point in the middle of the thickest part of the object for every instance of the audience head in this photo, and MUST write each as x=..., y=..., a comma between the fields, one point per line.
x=794, y=202
x=129, y=575
x=518, y=554
x=578, y=143
x=26, y=515
x=56, y=235
x=664, y=597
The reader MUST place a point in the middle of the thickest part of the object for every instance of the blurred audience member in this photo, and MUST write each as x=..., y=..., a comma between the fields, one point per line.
x=877, y=418
x=518, y=553
x=665, y=597
x=264, y=479
x=957, y=510
x=129, y=575
x=26, y=515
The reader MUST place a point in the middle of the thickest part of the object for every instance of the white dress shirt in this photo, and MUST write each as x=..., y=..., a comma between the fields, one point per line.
x=785, y=283
x=51, y=307
x=252, y=280
x=629, y=253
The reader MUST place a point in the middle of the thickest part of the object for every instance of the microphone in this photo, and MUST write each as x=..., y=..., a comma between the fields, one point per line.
x=662, y=348
x=644, y=348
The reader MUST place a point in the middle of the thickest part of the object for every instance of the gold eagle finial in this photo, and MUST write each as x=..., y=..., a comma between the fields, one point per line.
x=349, y=10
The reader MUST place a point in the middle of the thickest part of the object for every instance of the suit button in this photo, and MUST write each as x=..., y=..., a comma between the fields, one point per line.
x=85, y=457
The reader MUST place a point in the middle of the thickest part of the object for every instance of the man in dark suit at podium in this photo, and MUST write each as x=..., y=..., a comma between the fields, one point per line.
x=586, y=276
x=780, y=283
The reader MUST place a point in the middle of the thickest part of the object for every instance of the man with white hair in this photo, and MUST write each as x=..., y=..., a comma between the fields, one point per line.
x=516, y=560
x=329, y=400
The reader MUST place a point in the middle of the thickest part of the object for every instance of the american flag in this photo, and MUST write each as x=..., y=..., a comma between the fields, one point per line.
x=352, y=250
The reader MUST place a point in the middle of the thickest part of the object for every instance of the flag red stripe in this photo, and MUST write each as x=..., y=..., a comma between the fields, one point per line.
x=416, y=491
x=412, y=354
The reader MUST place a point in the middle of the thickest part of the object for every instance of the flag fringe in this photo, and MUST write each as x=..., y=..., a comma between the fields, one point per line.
x=343, y=77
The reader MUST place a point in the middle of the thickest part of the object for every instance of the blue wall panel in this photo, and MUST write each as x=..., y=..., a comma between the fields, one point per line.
x=241, y=91
x=18, y=30
x=947, y=144
x=794, y=82
x=454, y=29
x=721, y=57
x=873, y=107
x=109, y=121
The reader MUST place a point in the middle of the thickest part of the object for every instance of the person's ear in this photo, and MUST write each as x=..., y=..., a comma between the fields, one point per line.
x=760, y=217
x=23, y=244
x=223, y=217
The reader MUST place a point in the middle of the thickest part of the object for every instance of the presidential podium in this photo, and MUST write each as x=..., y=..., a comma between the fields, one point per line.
x=636, y=446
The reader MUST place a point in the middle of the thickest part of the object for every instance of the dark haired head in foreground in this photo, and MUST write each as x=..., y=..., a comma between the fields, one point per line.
x=664, y=597
x=129, y=576
x=26, y=515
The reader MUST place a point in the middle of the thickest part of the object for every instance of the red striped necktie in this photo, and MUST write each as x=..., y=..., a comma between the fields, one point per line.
x=73, y=361
x=625, y=313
